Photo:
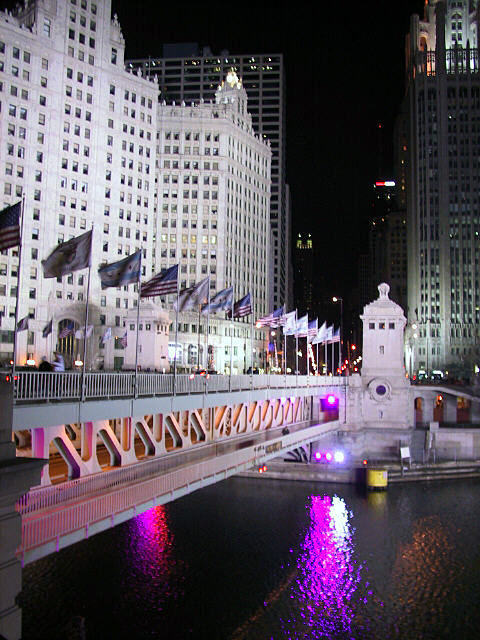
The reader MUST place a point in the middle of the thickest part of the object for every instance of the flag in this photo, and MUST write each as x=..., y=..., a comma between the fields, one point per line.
x=79, y=333
x=47, y=329
x=124, y=340
x=121, y=273
x=194, y=296
x=22, y=324
x=70, y=256
x=272, y=320
x=336, y=336
x=107, y=335
x=68, y=330
x=10, y=226
x=221, y=302
x=320, y=337
x=288, y=322
x=242, y=307
x=161, y=284
x=328, y=334
x=312, y=329
x=301, y=330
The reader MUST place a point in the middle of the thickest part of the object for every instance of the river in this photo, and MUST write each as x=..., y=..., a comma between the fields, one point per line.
x=255, y=559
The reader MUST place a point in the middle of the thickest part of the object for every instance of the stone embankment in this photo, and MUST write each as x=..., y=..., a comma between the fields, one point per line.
x=351, y=474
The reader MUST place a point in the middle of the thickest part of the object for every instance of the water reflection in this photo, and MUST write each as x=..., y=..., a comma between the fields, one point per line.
x=153, y=563
x=328, y=575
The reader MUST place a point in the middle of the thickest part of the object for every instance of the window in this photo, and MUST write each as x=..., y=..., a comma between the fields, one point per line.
x=47, y=26
x=113, y=58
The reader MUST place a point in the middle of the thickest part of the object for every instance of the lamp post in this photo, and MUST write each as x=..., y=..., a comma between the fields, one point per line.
x=337, y=299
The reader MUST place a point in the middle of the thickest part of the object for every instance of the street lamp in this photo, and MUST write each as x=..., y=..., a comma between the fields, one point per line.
x=337, y=299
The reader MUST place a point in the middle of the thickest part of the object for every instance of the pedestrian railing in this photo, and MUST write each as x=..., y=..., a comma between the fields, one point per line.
x=37, y=386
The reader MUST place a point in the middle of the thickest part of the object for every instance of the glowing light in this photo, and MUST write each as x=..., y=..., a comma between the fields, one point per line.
x=31, y=363
x=339, y=456
x=78, y=363
x=318, y=455
x=328, y=456
x=328, y=575
x=331, y=400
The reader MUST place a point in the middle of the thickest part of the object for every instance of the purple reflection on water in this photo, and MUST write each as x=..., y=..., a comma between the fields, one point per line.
x=328, y=576
x=152, y=558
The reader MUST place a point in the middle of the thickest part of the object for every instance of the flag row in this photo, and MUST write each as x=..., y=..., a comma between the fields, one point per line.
x=300, y=327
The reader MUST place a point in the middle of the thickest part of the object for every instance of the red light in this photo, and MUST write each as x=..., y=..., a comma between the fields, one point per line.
x=365, y=462
x=7, y=378
x=353, y=347
x=346, y=361
x=264, y=467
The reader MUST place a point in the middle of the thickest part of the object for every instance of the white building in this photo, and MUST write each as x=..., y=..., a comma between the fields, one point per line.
x=213, y=207
x=188, y=72
x=443, y=187
x=78, y=142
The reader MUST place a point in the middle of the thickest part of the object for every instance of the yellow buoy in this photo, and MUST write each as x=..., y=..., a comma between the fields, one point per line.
x=377, y=479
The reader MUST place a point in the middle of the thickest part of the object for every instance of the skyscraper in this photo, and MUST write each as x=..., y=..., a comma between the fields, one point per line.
x=78, y=144
x=185, y=73
x=443, y=185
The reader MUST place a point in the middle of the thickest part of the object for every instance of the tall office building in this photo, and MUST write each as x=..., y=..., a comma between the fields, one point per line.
x=213, y=205
x=78, y=144
x=443, y=185
x=185, y=73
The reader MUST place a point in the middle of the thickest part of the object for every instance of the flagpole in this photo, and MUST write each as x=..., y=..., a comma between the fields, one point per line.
x=198, y=344
x=207, y=329
x=22, y=215
x=306, y=349
x=296, y=347
x=176, y=338
x=231, y=342
x=252, y=297
x=85, y=334
x=138, y=321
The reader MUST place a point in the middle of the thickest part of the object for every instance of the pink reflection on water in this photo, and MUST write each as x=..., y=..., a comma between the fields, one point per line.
x=328, y=576
x=155, y=571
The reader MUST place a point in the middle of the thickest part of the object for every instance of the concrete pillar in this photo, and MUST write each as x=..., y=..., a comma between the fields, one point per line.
x=427, y=407
x=450, y=408
x=17, y=475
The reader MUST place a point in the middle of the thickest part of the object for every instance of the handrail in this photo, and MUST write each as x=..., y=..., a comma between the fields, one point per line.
x=38, y=386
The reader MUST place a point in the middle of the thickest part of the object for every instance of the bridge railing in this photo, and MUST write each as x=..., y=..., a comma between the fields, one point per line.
x=34, y=386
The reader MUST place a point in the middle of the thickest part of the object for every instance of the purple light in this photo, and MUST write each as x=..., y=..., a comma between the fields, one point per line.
x=328, y=456
x=323, y=595
x=331, y=400
x=318, y=455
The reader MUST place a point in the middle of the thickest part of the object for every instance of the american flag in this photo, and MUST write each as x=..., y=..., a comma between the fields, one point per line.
x=272, y=320
x=10, y=226
x=161, y=284
x=242, y=307
x=68, y=330
x=123, y=340
x=312, y=329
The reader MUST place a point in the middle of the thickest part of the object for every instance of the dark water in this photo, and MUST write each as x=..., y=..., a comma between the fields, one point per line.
x=258, y=559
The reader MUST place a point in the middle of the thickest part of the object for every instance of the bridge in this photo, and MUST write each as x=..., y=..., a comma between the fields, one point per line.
x=114, y=444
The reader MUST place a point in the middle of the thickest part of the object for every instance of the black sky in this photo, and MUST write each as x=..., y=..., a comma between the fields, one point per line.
x=345, y=75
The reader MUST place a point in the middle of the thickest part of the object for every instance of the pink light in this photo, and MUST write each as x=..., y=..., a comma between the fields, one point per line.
x=328, y=456
x=331, y=400
x=318, y=455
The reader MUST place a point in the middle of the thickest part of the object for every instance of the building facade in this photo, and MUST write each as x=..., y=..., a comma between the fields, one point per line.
x=443, y=185
x=188, y=73
x=213, y=204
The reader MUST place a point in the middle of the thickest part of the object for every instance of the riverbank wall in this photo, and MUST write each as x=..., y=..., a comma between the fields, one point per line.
x=355, y=474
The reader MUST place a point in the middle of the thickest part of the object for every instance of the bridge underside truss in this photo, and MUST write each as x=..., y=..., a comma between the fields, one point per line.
x=83, y=449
